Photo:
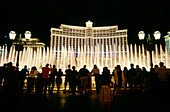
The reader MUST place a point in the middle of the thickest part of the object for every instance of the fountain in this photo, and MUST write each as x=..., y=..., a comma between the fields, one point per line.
x=99, y=54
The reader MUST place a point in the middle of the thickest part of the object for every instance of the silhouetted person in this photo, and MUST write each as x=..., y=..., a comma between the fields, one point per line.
x=162, y=80
x=139, y=78
x=84, y=78
x=113, y=74
x=73, y=80
x=2, y=73
x=132, y=76
x=118, y=79
x=89, y=85
x=59, y=80
x=155, y=67
x=45, y=77
x=96, y=72
x=67, y=77
x=22, y=76
x=105, y=93
x=39, y=84
x=52, y=79
x=125, y=75
x=146, y=81
x=10, y=80
x=153, y=79
x=31, y=79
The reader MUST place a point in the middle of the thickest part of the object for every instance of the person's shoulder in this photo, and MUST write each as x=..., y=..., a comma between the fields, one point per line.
x=157, y=69
x=87, y=70
x=47, y=68
x=55, y=70
x=37, y=72
x=92, y=70
x=164, y=68
x=22, y=70
x=130, y=69
x=81, y=69
x=67, y=70
x=160, y=68
x=74, y=71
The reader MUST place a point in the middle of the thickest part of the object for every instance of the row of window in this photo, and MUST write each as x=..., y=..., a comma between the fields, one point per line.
x=65, y=32
x=84, y=30
x=95, y=34
x=94, y=49
x=119, y=39
x=78, y=42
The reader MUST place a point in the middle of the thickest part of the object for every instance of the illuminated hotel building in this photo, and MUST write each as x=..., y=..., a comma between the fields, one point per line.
x=167, y=42
x=78, y=45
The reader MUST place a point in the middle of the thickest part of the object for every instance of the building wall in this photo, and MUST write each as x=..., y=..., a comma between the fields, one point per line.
x=78, y=46
x=83, y=37
x=167, y=42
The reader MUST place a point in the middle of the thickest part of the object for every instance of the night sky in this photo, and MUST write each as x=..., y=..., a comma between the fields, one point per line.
x=38, y=16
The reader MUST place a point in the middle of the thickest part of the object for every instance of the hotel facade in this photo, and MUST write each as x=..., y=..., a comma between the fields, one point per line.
x=167, y=42
x=78, y=45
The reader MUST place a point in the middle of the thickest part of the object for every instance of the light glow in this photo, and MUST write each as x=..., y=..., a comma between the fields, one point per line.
x=12, y=35
x=141, y=35
x=27, y=35
x=77, y=52
x=89, y=23
x=157, y=35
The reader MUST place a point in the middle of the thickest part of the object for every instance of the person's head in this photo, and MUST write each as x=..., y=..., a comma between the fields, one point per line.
x=25, y=67
x=105, y=71
x=125, y=69
x=143, y=69
x=47, y=65
x=53, y=66
x=118, y=67
x=84, y=66
x=5, y=65
x=34, y=68
x=73, y=67
x=156, y=66
x=131, y=65
x=161, y=64
x=137, y=66
x=95, y=66
x=10, y=64
x=69, y=66
x=60, y=70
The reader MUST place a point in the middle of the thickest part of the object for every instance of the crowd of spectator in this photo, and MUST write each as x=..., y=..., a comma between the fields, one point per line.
x=12, y=81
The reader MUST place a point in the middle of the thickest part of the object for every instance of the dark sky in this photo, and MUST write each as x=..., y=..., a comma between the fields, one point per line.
x=38, y=16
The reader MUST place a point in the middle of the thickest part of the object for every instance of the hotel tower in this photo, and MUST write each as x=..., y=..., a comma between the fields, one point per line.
x=78, y=45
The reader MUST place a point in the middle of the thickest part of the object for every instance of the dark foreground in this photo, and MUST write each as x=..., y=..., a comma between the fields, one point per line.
x=128, y=101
